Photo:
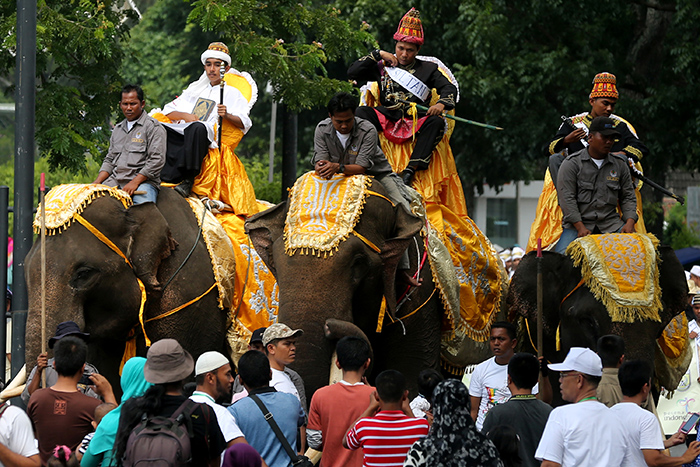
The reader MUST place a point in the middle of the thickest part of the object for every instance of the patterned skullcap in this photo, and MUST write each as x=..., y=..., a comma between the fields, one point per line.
x=410, y=28
x=217, y=50
x=604, y=85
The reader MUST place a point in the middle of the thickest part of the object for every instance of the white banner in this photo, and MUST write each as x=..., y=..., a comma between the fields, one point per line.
x=409, y=82
x=686, y=398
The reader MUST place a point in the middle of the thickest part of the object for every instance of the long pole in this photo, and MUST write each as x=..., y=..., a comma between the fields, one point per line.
x=222, y=72
x=540, y=298
x=42, y=202
x=446, y=115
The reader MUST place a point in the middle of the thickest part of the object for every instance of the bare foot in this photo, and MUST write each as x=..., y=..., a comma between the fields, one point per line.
x=407, y=278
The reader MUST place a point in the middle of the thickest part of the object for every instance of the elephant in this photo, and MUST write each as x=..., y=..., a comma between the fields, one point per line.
x=578, y=317
x=341, y=294
x=90, y=284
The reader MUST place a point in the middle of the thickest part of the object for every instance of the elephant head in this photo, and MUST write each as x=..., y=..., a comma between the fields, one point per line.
x=93, y=285
x=348, y=286
x=572, y=314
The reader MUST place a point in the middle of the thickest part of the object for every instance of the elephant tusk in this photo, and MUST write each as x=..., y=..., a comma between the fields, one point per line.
x=16, y=386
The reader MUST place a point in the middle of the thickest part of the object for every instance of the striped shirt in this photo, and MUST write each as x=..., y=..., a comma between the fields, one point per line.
x=386, y=438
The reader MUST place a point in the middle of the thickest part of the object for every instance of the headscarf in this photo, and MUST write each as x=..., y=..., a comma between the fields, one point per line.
x=241, y=455
x=133, y=384
x=453, y=439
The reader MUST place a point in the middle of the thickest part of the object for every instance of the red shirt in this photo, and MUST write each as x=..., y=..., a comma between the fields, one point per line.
x=386, y=438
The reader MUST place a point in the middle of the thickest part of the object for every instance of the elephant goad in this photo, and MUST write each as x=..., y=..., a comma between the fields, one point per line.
x=90, y=283
x=341, y=291
x=573, y=315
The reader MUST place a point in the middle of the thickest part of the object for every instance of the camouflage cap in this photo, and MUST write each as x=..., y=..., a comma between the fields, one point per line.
x=279, y=331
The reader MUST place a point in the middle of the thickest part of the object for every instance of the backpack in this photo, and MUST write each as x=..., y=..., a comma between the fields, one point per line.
x=162, y=441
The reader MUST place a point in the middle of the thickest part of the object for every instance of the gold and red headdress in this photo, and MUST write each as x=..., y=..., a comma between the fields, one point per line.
x=410, y=28
x=604, y=85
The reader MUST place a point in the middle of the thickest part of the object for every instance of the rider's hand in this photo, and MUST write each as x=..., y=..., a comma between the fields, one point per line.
x=576, y=135
x=42, y=361
x=221, y=110
x=389, y=59
x=436, y=109
x=326, y=169
x=131, y=187
x=628, y=227
x=582, y=230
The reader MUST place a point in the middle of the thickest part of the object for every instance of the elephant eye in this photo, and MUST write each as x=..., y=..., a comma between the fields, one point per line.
x=83, y=276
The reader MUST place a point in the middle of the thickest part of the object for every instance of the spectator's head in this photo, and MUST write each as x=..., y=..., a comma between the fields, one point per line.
x=213, y=375
x=67, y=328
x=353, y=353
x=451, y=406
x=635, y=377
x=254, y=369
x=100, y=412
x=280, y=343
x=391, y=386
x=256, y=342
x=133, y=381
x=604, y=95
x=507, y=258
x=507, y=443
x=167, y=362
x=132, y=102
x=524, y=370
x=695, y=275
x=62, y=457
x=427, y=382
x=503, y=340
x=241, y=455
x=695, y=303
x=69, y=356
x=515, y=257
x=341, y=110
x=580, y=373
x=611, y=350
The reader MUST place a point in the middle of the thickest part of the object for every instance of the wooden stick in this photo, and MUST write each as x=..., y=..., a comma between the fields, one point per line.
x=43, y=272
x=540, y=298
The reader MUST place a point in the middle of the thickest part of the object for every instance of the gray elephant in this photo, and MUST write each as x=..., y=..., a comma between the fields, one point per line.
x=337, y=295
x=89, y=283
x=571, y=310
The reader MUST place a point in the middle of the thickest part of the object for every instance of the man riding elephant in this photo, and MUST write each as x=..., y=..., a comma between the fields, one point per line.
x=402, y=76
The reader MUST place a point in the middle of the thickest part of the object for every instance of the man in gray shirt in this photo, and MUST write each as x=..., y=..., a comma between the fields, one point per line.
x=591, y=183
x=345, y=144
x=136, y=150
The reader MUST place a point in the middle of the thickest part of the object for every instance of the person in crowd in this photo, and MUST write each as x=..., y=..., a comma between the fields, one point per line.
x=507, y=444
x=489, y=383
x=255, y=343
x=255, y=374
x=167, y=366
x=403, y=76
x=136, y=150
x=523, y=412
x=199, y=109
x=516, y=256
x=63, y=456
x=335, y=407
x=60, y=414
x=645, y=442
x=427, y=382
x=100, y=412
x=134, y=384
x=17, y=442
x=584, y=433
x=693, y=326
x=279, y=341
x=590, y=185
x=241, y=455
x=214, y=379
x=44, y=364
x=453, y=440
x=695, y=275
x=387, y=429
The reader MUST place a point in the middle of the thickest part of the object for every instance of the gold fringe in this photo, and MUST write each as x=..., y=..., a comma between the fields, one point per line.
x=454, y=370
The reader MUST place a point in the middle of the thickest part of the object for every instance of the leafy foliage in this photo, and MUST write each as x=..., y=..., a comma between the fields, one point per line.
x=677, y=232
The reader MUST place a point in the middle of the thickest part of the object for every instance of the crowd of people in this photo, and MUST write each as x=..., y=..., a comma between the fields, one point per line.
x=503, y=417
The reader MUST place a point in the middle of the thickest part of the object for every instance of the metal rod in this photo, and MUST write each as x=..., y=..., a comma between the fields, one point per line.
x=42, y=204
x=540, y=298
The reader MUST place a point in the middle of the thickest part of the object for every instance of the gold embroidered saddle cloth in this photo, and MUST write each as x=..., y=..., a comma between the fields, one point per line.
x=621, y=271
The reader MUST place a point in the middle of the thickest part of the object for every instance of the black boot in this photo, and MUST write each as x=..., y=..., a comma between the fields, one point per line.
x=185, y=187
x=407, y=175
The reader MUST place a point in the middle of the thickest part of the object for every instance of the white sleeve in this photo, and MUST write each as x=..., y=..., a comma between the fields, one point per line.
x=476, y=385
x=237, y=105
x=314, y=438
x=22, y=441
x=229, y=427
x=551, y=445
x=650, y=436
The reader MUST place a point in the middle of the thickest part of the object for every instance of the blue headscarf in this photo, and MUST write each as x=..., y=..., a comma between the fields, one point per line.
x=133, y=384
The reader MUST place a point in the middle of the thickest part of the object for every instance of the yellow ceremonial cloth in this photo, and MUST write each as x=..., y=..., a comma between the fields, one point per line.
x=322, y=213
x=63, y=202
x=622, y=273
x=548, y=217
x=673, y=353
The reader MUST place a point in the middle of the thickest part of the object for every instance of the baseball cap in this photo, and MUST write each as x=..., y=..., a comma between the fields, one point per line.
x=279, y=331
x=604, y=126
x=580, y=359
x=257, y=336
x=209, y=361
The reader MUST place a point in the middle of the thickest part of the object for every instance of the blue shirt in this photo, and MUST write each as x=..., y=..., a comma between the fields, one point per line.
x=287, y=412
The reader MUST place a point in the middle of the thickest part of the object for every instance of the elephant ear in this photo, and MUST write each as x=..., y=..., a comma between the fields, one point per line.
x=406, y=226
x=264, y=229
x=151, y=243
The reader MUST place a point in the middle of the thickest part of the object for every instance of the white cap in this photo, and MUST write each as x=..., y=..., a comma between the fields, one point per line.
x=517, y=253
x=209, y=361
x=695, y=270
x=505, y=255
x=687, y=275
x=580, y=359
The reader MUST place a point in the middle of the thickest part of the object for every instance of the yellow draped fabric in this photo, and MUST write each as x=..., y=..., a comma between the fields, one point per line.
x=622, y=273
x=548, y=217
x=322, y=213
x=63, y=202
x=673, y=353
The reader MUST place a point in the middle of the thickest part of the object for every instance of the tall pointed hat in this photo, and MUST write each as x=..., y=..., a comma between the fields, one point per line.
x=410, y=28
x=604, y=85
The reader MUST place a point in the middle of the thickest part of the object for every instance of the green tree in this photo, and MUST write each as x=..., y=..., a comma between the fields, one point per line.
x=677, y=232
x=79, y=49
